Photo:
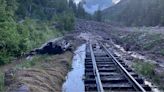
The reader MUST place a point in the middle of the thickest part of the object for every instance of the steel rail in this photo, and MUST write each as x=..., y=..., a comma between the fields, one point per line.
x=96, y=72
x=134, y=83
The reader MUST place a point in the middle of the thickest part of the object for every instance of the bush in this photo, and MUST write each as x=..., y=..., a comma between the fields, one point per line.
x=33, y=28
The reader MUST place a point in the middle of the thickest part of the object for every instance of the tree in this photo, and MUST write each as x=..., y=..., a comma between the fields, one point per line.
x=72, y=5
x=80, y=11
x=9, y=38
x=98, y=15
x=25, y=24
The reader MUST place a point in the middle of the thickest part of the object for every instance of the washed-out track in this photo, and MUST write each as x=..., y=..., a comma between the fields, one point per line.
x=105, y=72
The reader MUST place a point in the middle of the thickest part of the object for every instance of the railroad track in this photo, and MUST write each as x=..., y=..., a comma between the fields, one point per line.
x=105, y=72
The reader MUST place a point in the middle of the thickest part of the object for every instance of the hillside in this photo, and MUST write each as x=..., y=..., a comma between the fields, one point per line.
x=26, y=24
x=136, y=12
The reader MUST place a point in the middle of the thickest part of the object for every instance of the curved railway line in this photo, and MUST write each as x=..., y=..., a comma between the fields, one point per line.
x=105, y=72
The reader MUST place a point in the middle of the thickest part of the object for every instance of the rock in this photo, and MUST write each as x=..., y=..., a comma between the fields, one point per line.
x=9, y=77
x=127, y=47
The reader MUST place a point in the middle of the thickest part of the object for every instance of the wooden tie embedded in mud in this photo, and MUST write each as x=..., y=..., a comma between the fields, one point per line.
x=104, y=72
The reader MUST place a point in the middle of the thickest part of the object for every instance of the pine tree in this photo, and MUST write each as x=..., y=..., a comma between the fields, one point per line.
x=98, y=15
x=9, y=38
x=72, y=5
x=80, y=11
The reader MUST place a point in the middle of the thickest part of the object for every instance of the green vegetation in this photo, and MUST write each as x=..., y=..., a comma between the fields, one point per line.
x=98, y=15
x=144, y=68
x=147, y=69
x=137, y=12
x=1, y=82
x=26, y=24
x=34, y=61
x=79, y=10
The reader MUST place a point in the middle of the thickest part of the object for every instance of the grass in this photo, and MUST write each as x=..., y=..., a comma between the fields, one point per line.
x=144, y=68
x=1, y=82
x=54, y=68
x=34, y=61
x=148, y=70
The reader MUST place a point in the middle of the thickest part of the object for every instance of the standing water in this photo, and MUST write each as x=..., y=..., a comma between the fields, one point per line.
x=74, y=81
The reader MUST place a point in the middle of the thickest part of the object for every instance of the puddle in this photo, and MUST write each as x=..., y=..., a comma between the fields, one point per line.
x=74, y=80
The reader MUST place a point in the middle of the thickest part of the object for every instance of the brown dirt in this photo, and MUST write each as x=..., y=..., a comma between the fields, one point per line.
x=46, y=77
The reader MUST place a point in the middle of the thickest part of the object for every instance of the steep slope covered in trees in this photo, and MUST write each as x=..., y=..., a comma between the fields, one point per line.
x=137, y=12
x=26, y=24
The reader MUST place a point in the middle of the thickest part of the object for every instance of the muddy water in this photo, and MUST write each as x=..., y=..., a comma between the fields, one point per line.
x=74, y=80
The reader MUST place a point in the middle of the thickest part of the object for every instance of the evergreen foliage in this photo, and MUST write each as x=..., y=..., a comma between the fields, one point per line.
x=98, y=15
x=137, y=12
x=26, y=24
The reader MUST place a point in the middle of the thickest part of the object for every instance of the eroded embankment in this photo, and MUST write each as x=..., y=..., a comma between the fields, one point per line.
x=41, y=73
x=46, y=76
